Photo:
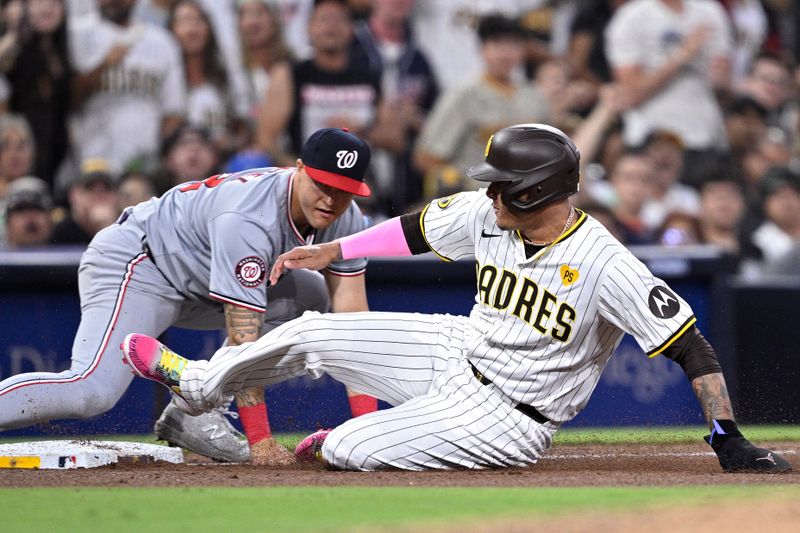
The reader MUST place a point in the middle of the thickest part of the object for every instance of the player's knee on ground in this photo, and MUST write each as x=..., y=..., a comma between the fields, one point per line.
x=345, y=450
x=335, y=451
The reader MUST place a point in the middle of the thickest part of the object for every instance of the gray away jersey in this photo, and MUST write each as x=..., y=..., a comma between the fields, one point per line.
x=218, y=238
x=545, y=327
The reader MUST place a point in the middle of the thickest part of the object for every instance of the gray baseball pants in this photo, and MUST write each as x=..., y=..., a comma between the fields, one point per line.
x=122, y=291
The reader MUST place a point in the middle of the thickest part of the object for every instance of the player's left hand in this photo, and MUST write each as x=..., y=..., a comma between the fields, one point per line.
x=312, y=257
x=737, y=454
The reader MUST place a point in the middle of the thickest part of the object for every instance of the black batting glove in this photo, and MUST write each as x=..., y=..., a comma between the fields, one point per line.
x=737, y=454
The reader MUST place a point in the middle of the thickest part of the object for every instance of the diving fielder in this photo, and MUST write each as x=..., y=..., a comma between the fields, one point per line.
x=556, y=292
x=198, y=257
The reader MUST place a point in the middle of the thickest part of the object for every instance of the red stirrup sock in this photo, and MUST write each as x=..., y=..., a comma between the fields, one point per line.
x=255, y=422
x=361, y=404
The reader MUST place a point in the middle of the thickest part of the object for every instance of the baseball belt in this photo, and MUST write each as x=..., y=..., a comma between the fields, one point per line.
x=527, y=410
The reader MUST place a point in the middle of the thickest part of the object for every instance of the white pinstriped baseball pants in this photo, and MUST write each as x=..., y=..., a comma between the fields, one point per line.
x=443, y=417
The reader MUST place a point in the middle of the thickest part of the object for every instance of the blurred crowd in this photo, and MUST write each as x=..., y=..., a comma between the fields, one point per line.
x=686, y=112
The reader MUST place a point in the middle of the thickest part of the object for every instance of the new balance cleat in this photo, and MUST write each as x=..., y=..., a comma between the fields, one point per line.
x=152, y=360
x=310, y=448
x=208, y=434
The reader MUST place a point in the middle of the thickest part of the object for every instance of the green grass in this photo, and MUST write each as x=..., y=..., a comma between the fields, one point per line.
x=566, y=436
x=333, y=509
x=346, y=508
x=664, y=435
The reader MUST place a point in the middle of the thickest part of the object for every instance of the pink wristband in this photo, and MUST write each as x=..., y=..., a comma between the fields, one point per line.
x=384, y=240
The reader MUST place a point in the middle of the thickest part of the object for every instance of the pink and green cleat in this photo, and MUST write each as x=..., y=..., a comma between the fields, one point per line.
x=310, y=448
x=151, y=360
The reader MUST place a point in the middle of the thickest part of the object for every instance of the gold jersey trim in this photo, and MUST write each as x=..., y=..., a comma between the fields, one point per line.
x=424, y=236
x=666, y=344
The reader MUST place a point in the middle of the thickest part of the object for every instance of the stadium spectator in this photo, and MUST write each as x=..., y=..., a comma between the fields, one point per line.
x=28, y=220
x=754, y=165
x=134, y=188
x=722, y=209
x=130, y=86
x=669, y=56
x=750, y=25
x=324, y=91
x=745, y=123
x=770, y=149
x=92, y=204
x=445, y=31
x=247, y=159
x=222, y=18
x=188, y=154
x=679, y=229
x=16, y=150
x=780, y=193
x=632, y=181
x=595, y=131
x=39, y=76
x=209, y=98
x=455, y=135
x=665, y=151
x=602, y=214
x=263, y=48
x=386, y=45
x=295, y=15
x=586, y=50
x=568, y=96
x=769, y=83
x=11, y=18
x=294, y=18
x=776, y=147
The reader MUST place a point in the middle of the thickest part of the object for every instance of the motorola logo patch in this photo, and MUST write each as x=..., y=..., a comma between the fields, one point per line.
x=663, y=303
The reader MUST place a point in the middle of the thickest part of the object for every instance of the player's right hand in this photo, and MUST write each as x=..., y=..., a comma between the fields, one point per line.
x=737, y=454
x=312, y=257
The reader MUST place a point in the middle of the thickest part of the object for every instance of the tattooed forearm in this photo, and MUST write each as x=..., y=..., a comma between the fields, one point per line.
x=713, y=396
x=243, y=325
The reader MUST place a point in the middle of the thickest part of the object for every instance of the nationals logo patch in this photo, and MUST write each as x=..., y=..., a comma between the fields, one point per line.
x=251, y=271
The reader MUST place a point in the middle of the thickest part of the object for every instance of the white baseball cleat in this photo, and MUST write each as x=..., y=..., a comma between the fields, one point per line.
x=209, y=434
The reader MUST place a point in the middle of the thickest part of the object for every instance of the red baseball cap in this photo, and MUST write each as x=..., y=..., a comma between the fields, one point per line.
x=337, y=158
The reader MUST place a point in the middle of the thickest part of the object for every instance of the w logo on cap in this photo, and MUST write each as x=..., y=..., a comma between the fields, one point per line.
x=337, y=158
x=346, y=159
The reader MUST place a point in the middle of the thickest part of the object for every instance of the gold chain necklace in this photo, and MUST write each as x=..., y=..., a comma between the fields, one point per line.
x=563, y=231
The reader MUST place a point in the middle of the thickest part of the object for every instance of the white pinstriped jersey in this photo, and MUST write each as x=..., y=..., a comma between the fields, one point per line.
x=545, y=326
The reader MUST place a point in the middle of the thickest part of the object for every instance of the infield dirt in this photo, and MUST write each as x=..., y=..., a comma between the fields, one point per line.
x=576, y=466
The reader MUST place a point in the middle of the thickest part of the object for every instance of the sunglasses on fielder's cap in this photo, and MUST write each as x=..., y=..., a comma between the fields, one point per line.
x=337, y=158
